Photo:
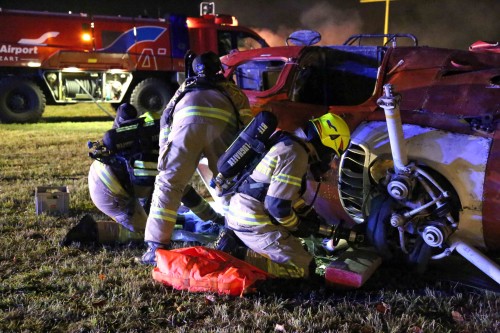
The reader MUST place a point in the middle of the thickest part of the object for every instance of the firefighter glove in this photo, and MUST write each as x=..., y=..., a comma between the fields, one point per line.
x=309, y=223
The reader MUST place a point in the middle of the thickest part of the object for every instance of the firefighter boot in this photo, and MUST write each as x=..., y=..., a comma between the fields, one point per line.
x=219, y=220
x=230, y=243
x=85, y=232
x=149, y=257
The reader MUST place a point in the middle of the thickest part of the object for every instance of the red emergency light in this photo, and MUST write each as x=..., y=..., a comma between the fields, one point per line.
x=219, y=19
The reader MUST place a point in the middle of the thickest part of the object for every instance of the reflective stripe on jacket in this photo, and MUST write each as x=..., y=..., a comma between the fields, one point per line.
x=145, y=168
x=202, y=106
x=283, y=168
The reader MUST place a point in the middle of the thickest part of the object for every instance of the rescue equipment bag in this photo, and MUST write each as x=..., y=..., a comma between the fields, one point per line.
x=202, y=269
x=246, y=151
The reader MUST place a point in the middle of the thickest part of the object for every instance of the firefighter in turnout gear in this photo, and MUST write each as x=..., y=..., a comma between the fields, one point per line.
x=201, y=120
x=267, y=212
x=122, y=183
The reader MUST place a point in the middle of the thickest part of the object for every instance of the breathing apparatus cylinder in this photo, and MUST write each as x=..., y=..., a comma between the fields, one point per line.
x=135, y=132
x=251, y=143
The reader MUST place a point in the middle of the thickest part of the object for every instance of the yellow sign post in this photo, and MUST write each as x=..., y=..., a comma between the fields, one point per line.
x=386, y=22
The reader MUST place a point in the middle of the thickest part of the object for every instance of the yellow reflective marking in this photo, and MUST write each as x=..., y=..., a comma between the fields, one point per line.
x=288, y=179
x=267, y=165
x=145, y=164
x=110, y=180
x=163, y=214
x=206, y=112
x=249, y=219
x=203, y=205
x=164, y=132
x=143, y=172
x=291, y=221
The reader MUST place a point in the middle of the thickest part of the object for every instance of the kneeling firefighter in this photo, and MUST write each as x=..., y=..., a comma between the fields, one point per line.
x=121, y=181
x=267, y=212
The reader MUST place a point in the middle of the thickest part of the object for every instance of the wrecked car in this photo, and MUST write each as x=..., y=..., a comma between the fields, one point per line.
x=443, y=191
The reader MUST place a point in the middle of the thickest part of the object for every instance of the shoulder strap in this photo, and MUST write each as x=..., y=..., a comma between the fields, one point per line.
x=257, y=190
x=194, y=84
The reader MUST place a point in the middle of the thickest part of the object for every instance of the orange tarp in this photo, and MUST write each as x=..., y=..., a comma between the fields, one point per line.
x=201, y=269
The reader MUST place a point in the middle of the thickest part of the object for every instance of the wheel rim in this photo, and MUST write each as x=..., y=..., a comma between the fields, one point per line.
x=18, y=102
x=152, y=101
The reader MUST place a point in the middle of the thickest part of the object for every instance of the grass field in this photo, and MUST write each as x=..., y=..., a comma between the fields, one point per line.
x=46, y=288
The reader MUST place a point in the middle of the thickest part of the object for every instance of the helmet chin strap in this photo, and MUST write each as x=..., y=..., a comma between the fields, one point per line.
x=312, y=153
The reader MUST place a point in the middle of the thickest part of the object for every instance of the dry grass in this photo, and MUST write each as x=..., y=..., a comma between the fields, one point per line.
x=46, y=288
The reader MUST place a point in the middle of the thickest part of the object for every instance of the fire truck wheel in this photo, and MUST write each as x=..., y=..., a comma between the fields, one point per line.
x=151, y=95
x=21, y=101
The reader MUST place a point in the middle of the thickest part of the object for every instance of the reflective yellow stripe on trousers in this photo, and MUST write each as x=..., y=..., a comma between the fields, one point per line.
x=109, y=179
x=164, y=214
x=248, y=219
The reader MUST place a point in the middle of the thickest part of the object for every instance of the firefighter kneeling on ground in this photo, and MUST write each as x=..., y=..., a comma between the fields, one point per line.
x=201, y=120
x=267, y=212
x=121, y=183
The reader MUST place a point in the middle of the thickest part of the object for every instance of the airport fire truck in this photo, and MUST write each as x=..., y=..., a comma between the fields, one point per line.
x=49, y=58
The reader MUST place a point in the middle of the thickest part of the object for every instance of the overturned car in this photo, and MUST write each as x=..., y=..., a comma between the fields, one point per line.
x=422, y=172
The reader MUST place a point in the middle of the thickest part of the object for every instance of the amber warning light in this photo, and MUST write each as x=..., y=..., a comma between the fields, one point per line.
x=86, y=32
x=86, y=37
x=223, y=19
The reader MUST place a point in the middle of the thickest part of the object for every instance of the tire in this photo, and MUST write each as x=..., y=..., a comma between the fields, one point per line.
x=21, y=101
x=151, y=95
x=378, y=227
x=384, y=237
x=420, y=256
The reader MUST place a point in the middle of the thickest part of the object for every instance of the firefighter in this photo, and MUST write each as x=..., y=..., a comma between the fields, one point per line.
x=201, y=120
x=122, y=190
x=267, y=212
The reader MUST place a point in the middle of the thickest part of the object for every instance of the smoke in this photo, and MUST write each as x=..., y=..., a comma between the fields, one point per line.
x=275, y=38
x=452, y=24
x=335, y=24
x=445, y=23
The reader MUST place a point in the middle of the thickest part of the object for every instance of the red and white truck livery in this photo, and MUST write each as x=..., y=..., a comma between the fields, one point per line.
x=55, y=58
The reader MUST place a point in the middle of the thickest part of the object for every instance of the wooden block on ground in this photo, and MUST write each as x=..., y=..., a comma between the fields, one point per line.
x=352, y=268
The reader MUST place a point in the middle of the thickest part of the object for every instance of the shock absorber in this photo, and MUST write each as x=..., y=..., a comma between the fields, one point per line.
x=400, y=184
x=390, y=103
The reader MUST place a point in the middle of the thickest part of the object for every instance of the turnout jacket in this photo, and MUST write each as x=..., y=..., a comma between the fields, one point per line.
x=283, y=170
x=204, y=122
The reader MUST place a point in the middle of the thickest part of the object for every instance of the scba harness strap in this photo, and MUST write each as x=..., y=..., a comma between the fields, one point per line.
x=258, y=190
x=131, y=150
x=248, y=149
x=197, y=83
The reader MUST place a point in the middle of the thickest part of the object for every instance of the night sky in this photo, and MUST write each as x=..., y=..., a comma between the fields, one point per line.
x=445, y=23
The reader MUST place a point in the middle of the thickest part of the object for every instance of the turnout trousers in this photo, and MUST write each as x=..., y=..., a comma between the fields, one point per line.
x=178, y=160
x=112, y=199
x=288, y=257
